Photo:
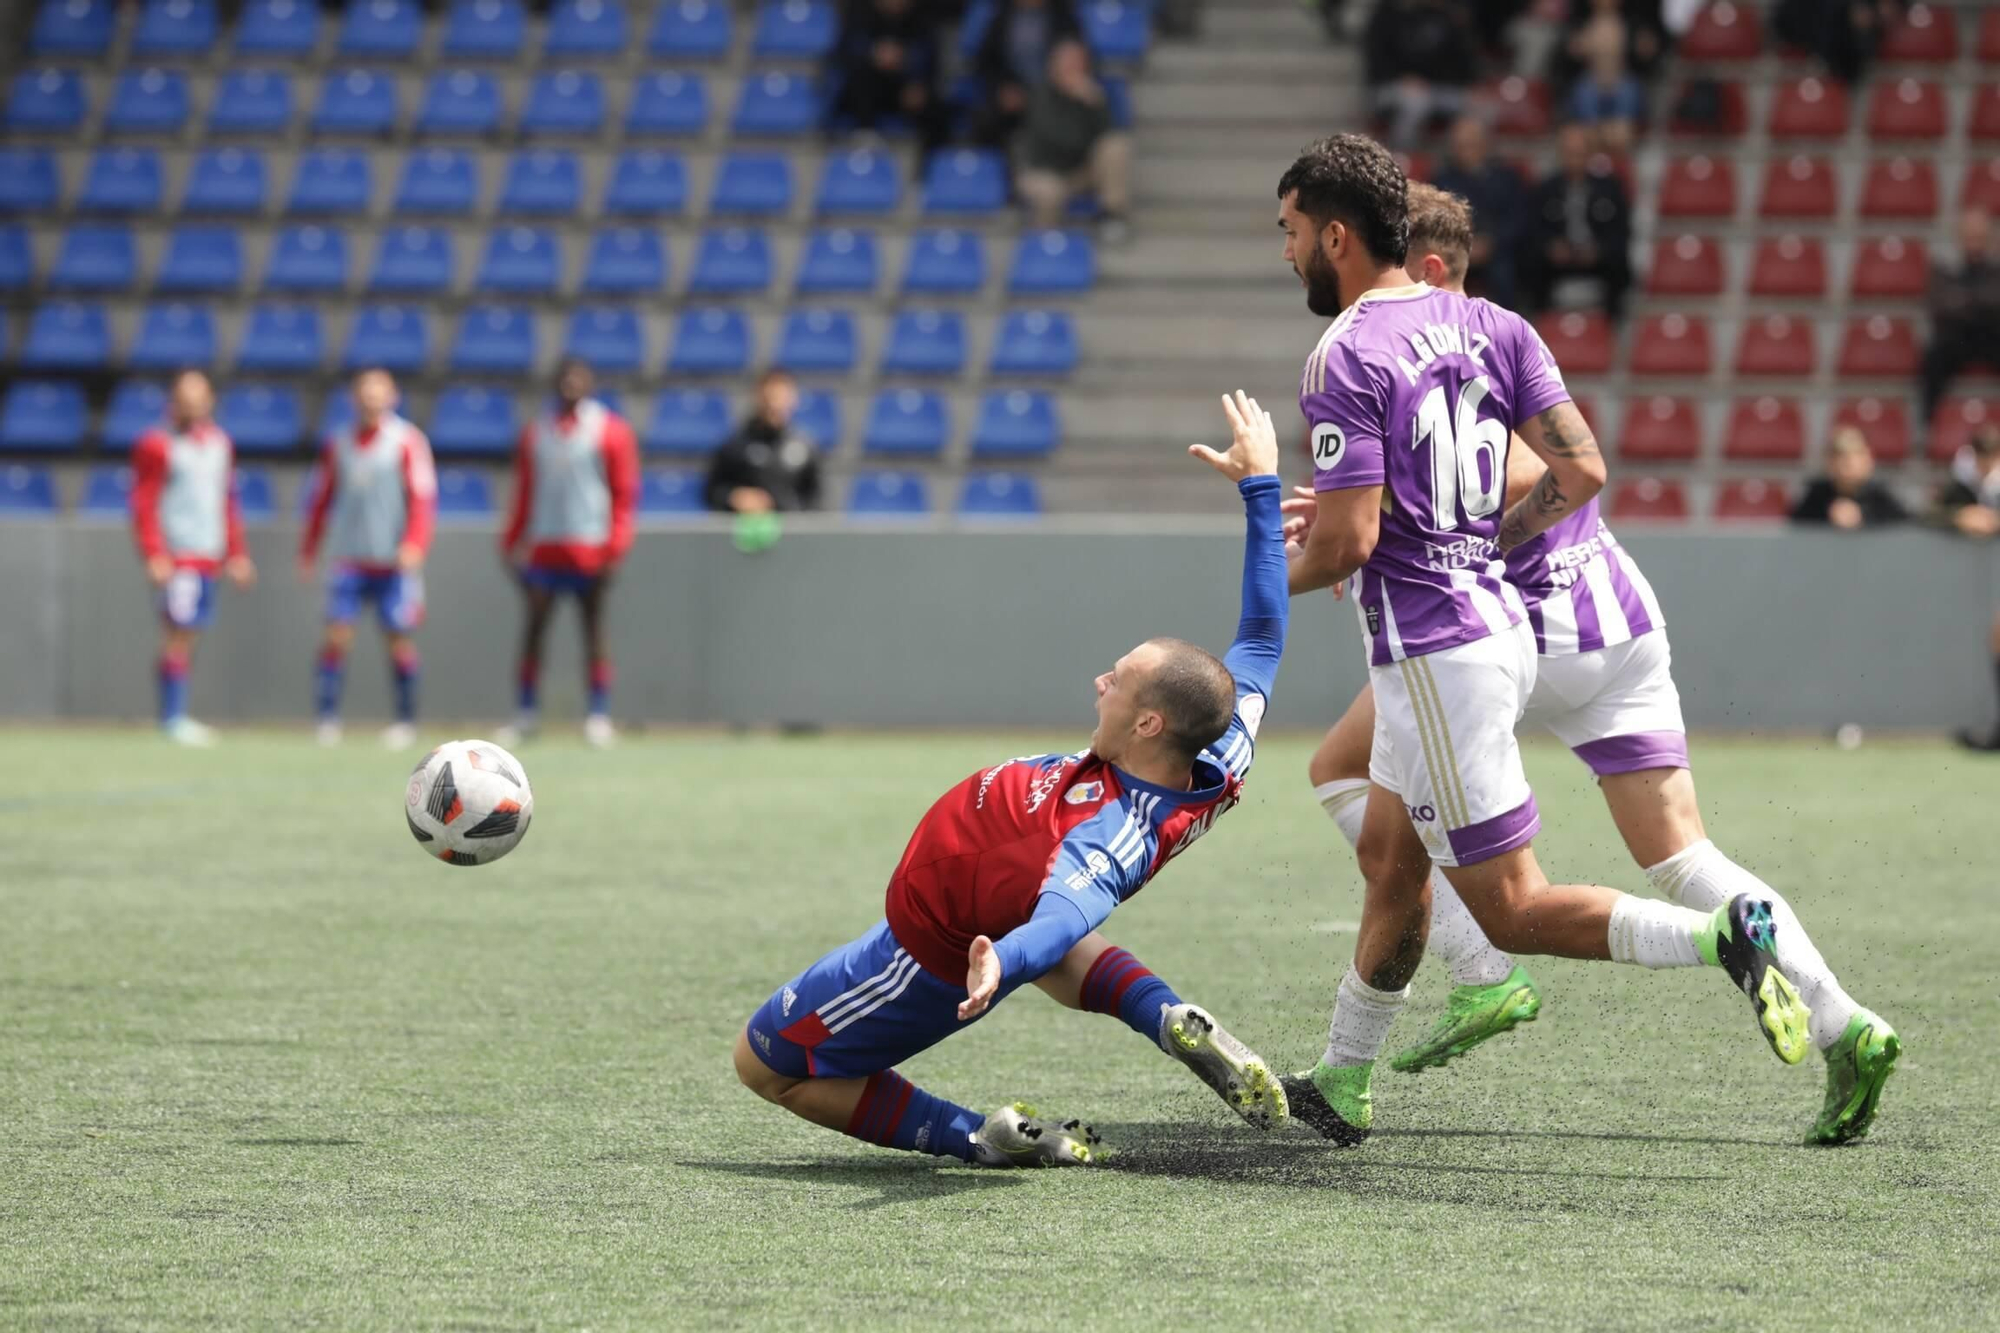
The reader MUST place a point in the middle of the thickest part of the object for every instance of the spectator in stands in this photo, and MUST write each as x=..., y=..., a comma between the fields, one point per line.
x=767, y=466
x=1422, y=57
x=1579, y=225
x=1848, y=496
x=1843, y=33
x=1607, y=97
x=1645, y=25
x=885, y=67
x=1970, y=503
x=1964, y=309
x=1013, y=59
x=1068, y=146
x=1479, y=176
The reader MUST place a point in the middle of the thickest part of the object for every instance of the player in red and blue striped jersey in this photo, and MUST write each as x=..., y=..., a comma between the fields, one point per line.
x=1008, y=877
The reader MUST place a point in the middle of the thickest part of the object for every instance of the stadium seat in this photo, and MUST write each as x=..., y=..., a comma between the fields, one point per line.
x=438, y=181
x=1725, y=114
x=1685, y=266
x=42, y=415
x=356, y=101
x=1985, y=120
x=67, y=335
x=73, y=28
x=1900, y=187
x=1789, y=266
x=945, y=261
x=687, y=421
x=1699, y=187
x=672, y=492
x=566, y=103
x=793, y=30
x=690, y=30
x=753, y=183
x=1926, y=35
x=1582, y=342
x=861, y=181
x=174, y=28
x=1776, y=345
x=460, y=101
x=1989, y=37
x=251, y=101
x=27, y=492
x=226, y=181
x=463, y=493
x=667, y=103
x=1954, y=425
x=121, y=180
x=965, y=180
x=278, y=28
x=281, y=339
x=709, y=340
x=1765, y=429
x=817, y=342
x=734, y=260
x=1981, y=187
x=494, y=340
x=1878, y=346
x=1809, y=108
x=1671, y=344
x=413, y=260
x=925, y=342
x=171, y=336
x=17, y=259
x=774, y=103
x=1016, y=424
x=1723, y=31
x=1660, y=429
x=1648, y=499
x=1884, y=421
x=1890, y=268
x=331, y=182
x=1521, y=107
x=382, y=29
x=472, y=419
x=46, y=101
x=888, y=495
x=520, y=260
x=1799, y=187
x=1000, y=495
x=646, y=184
x=1752, y=499
x=1116, y=30
x=626, y=260
x=608, y=337
x=261, y=418
x=1906, y=109
x=819, y=418
x=135, y=407
x=543, y=181
x=585, y=29
x=147, y=101
x=29, y=181
x=838, y=260
x=307, y=259
x=1051, y=263
x=107, y=491
x=256, y=498
x=484, y=30
x=1034, y=342
x=393, y=337
x=95, y=258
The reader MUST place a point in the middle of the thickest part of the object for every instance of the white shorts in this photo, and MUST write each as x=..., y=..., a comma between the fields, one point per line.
x=1444, y=743
x=1616, y=707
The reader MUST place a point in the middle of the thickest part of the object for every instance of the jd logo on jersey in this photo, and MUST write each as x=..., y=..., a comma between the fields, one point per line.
x=1084, y=792
x=1329, y=444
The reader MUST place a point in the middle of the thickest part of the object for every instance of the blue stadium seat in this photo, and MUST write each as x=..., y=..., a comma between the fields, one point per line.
x=29, y=181
x=278, y=28
x=121, y=180
x=48, y=101
x=818, y=418
x=793, y=30
x=709, y=340
x=626, y=259
x=261, y=418
x=356, y=101
x=42, y=414
x=1018, y=424
x=148, y=101
x=543, y=181
x=416, y=260
x=463, y=494
x=174, y=28
x=472, y=419
x=567, y=102
x=336, y=414
x=331, y=181
x=173, y=335
x=1035, y=342
x=73, y=28
x=307, y=259
x=965, y=180
x=17, y=259
x=251, y=101
x=668, y=103
x=773, y=103
x=861, y=181
x=888, y=495
x=484, y=30
x=1116, y=30
x=95, y=258
x=646, y=184
x=690, y=30
x=925, y=342
x=107, y=490
x=67, y=335
x=817, y=342
x=394, y=337
x=281, y=340
x=438, y=181
x=494, y=340
x=907, y=421
x=672, y=492
x=731, y=261
x=687, y=421
x=1000, y=495
x=608, y=337
x=256, y=498
x=27, y=492
x=520, y=260
x=945, y=260
x=756, y=183
x=460, y=101
x=586, y=29
x=226, y=181
x=839, y=260
x=1047, y=262
x=382, y=29
x=136, y=407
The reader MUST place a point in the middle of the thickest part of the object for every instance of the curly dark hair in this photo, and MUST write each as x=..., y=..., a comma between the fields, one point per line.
x=1349, y=178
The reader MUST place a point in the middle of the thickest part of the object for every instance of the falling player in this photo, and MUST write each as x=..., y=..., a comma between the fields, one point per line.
x=1010, y=874
x=1603, y=687
x=576, y=485
x=374, y=498
x=1444, y=379
x=188, y=527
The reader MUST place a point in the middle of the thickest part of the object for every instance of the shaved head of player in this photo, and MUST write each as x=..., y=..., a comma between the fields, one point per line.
x=1159, y=706
x=1343, y=210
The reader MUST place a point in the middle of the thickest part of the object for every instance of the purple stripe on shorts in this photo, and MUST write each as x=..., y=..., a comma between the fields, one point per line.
x=1490, y=838
x=1628, y=595
x=1634, y=753
x=1589, y=633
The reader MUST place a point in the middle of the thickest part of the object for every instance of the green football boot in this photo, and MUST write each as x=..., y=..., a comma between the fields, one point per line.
x=1473, y=1014
x=1742, y=939
x=1856, y=1068
x=1237, y=1074
x=1333, y=1101
x=1016, y=1136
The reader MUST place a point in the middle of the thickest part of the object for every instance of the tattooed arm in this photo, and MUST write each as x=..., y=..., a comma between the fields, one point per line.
x=1576, y=474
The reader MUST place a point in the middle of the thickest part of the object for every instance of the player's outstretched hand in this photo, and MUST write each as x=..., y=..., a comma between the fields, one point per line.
x=1254, y=450
x=982, y=979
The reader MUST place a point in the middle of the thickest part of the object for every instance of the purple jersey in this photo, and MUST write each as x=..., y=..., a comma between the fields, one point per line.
x=1583, y=591
x=1415, y=389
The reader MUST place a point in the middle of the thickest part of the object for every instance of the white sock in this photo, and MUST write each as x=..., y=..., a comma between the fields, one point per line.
x=1362, y=1017
x=1704, y=879
x=1655, y=934
x=1346, y=800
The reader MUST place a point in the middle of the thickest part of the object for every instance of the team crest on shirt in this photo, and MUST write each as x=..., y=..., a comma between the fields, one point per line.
x=1084, y=792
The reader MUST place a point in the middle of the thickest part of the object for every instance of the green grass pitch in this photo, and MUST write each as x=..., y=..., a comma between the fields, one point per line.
x=263, y=1065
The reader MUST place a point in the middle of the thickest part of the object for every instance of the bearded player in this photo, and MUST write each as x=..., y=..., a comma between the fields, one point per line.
x=1010, y=874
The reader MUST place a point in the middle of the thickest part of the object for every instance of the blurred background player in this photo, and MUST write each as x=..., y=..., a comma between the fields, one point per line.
x=188, y=527
x=576, y=487
x=768, y=465
x=374, y=499
x=1969, y=503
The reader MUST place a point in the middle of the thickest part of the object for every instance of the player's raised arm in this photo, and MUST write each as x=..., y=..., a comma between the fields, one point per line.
x=1252, y=463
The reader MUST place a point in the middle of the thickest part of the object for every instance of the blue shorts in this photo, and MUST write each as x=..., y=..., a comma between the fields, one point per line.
x=188, y=599
x=398, y=597
x=556, y=582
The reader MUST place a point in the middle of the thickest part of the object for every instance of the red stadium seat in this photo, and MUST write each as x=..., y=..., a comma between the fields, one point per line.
x=1900, y=187
x=1799, y=187
x=1989, y=37
x=1752, y=500
x=1789, y=266
x=1660, y=430
x=1776, y=345
x=1686, y=266
x=1890, y=268
x=1647, y=498
x=1982, y=186
x=1956, y=420
x=1927, y=35
x=1671, y=345
x=1884, y=421
x=1986, y=112
x=1765, y=428
x=1699, y=187
x=1906, y=109
x=1732, y=118
x=1581, y=343
x=1723, y=31
x=1878, y=346
x=1520, y=106
x=1809, y=108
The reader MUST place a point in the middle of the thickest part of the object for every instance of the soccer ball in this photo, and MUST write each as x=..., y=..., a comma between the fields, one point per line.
x=468, y=803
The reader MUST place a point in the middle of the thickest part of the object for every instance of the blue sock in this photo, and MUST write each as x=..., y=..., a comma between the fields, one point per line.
x=406, y=666
x=173, y=686
x=528, y=697
x=1120, y=984
x=896, y=1113
x=600, y=685
x=327, y=678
